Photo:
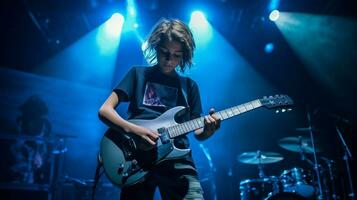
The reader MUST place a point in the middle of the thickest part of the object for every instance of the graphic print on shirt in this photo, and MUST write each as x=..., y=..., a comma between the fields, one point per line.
x=159, y=95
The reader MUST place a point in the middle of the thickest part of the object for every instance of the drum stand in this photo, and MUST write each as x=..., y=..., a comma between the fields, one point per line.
x=302, y=153
x=315, y=163
x=346, y=158
x=331, y=176
x=260, y=165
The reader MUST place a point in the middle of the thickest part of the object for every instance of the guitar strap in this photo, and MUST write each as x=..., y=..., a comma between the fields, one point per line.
x=183, y=83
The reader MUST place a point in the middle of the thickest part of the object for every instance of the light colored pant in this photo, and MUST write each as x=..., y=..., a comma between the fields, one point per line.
x=176, y=180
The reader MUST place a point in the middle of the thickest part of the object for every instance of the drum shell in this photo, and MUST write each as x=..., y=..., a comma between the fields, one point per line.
x=261, y=188
x=298, y=181
x=285, y=196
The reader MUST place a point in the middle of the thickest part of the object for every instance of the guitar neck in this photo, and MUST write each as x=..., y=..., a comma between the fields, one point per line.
x=186, y=127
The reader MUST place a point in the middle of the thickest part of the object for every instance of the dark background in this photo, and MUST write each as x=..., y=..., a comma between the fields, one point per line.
x=32, y=32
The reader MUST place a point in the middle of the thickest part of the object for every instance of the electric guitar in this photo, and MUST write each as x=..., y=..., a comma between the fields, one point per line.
x=126, y=161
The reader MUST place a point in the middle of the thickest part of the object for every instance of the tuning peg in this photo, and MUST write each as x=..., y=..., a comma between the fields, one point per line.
x=290, y=109
x=277, y=111
x=283, y=110
x=120, y=168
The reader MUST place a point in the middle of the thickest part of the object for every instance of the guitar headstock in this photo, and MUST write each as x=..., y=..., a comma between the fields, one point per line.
x=283, y=102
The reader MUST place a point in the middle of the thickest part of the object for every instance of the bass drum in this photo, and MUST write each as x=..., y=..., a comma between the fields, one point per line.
x=285, y=196
x=260, y=188
x=298, y=181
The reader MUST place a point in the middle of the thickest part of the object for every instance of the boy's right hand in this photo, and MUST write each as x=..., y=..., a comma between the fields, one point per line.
x=148, y=135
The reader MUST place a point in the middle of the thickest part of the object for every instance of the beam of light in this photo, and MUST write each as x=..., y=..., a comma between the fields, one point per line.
x=199, y=20
x=131, y=8
x=91, y=59
x=114, y=25
x=273, y=4
x=131, y=22
x=274, y=15
x=325, y=44
x=225, y=79
x=131, y=16
x=108, y=35
x=200, y=27
x=131, y=11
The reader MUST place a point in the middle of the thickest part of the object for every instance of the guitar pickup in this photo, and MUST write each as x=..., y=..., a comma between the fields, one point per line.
x=128, y=148
x=164, y=136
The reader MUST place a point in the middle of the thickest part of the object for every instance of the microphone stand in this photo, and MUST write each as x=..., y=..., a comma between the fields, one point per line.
x=347, y=155
x=316, y=164
x=212, y=169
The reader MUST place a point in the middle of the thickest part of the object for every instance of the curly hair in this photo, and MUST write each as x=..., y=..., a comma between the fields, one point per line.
x=171, y=29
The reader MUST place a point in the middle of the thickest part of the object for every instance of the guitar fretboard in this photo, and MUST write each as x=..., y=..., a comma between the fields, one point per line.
x=197, y=123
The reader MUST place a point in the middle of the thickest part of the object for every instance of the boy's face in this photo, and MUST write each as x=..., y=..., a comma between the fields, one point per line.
x=169, y=55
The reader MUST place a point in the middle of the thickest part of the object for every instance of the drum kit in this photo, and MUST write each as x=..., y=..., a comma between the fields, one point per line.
x=33, y=154
x=294, y=183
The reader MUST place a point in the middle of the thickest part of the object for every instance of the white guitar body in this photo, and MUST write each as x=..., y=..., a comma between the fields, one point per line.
x=113, y=157
x=126, y=157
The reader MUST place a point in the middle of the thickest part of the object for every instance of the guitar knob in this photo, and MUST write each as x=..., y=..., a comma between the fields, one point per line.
x=125, y=175
x=120, y=168
x=134, y=162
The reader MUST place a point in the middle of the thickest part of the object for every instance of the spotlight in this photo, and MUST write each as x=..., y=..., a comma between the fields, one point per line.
x=198, y=15
x=273, y=4
x=198, y=20
x=274, y=15
x=269, y=48
x=131, y=8
x=114, y=24
x=201, y=29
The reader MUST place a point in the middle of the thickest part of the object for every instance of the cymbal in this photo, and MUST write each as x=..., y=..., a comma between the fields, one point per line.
x=26, y=138
x=260, y=157
x=60, y=151
x=297, y=144
x=307, y=129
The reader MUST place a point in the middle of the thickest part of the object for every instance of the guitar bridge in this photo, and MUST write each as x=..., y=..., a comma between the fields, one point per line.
x=164, y=135
x=128, y=148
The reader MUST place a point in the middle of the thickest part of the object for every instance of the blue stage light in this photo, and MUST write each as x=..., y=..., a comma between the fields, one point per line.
x=198, y=20
x=201, y=28
x=114, y=25
x=131, y=8
x=269, y=48
x=274, y=15
x=273, y=5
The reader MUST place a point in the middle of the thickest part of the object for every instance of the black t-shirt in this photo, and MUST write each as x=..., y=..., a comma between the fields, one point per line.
x=150, y=93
